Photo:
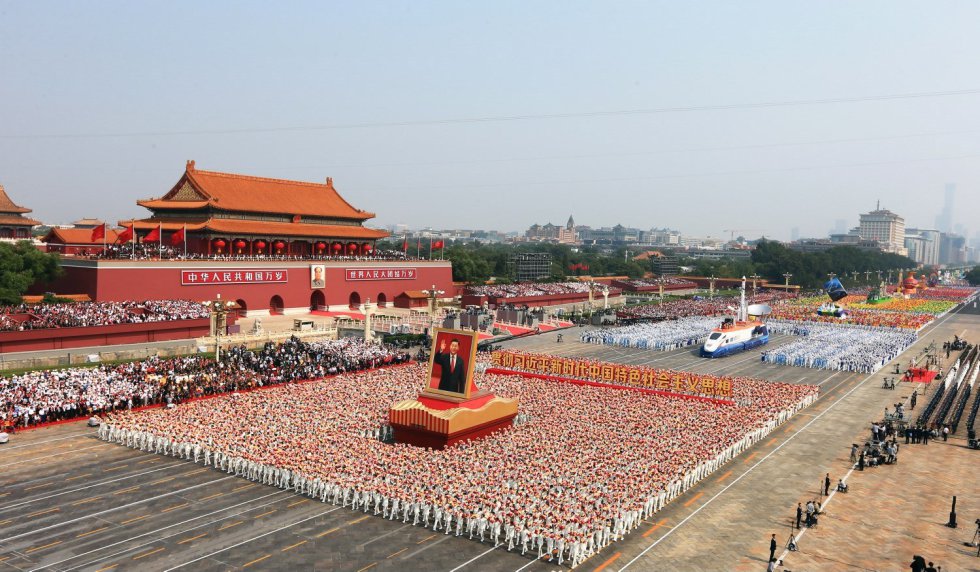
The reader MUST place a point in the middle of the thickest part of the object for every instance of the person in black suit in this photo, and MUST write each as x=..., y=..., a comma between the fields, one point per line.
x=452, y=366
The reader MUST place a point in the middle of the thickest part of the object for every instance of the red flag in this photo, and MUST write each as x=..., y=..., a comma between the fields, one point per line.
x=126, y=235
x=178, y=237
x=153, y=235
x=405, y=244
x=98, y=233
x=438, y=244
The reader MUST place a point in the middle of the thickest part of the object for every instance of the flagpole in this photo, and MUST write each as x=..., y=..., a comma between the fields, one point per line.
x=104, y=230
x=132, y=238
x=430, y=248
x=184, y=237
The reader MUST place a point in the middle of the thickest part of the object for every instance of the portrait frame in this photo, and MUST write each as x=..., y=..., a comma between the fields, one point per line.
x=468, y=341
x=314, y=284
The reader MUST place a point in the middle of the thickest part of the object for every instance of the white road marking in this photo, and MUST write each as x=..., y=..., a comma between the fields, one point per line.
x=284, y=527
x=33, y=500
x=108, y=510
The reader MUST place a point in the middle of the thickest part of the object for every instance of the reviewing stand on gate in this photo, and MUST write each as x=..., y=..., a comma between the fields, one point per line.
x=451, y=408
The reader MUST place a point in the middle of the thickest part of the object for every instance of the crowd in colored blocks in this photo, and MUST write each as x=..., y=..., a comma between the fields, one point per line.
x=688, y=307
x=874, y=318
x=80, y=314
x=835, y=346
x=584, y=467
x=52, y=395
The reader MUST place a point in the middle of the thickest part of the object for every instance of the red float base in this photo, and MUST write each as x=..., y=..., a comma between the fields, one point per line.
x=438, y=422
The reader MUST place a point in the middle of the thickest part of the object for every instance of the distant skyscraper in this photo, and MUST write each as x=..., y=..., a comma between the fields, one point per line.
x=794, y=234
x=944, y=222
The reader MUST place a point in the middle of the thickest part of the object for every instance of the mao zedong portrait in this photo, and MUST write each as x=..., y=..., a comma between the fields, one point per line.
x=317, y=280
x=452, y=366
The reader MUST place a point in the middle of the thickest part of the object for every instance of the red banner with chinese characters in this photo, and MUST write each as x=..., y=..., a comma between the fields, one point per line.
x=234, y=276
x=620, y=374
x=392, y=273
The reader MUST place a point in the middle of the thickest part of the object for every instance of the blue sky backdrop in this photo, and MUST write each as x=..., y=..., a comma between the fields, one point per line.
x=502, y=114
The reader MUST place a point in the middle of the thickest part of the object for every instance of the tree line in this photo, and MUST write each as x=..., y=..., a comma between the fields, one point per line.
x=477, y=262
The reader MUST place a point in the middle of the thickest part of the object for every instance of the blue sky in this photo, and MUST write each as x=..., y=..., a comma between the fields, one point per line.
x=103, y=102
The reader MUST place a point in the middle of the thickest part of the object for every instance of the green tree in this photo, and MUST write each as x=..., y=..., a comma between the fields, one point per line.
x=21, y=265
x=973, y=276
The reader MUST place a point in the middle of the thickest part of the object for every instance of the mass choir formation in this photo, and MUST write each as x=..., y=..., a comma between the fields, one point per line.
x=43, y=396
x=586, y=466
x=839, y=347
x=663, y=336
x=81, y=314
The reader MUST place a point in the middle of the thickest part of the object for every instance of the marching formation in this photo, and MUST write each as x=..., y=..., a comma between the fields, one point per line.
x=584, y=467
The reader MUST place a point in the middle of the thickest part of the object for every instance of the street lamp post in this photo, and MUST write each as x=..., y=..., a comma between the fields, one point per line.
x=754, y=277
x=661, y=281
x=787, y=276
x=219, y=319
x=867, y=275
x=433, y=294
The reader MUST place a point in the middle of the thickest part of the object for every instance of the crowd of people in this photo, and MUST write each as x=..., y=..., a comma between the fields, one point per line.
x=155, y=251
x=669, y=283
x=503, y=292
x=81, y=314
x=586, y=465
x=695, y=306
x=836, y=346
x=859, y=317
x=42, y=396
x=663, y=336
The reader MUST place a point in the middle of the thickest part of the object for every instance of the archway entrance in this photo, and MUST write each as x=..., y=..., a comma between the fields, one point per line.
x=355, y=301
x=318, y=301
x=382, y=300
x=242, y=308
x=275, y=305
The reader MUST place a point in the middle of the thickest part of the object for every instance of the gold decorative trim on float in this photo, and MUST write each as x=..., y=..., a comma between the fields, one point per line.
x=412, y=413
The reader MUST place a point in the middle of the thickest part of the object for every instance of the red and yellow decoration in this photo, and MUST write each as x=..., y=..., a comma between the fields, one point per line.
x=606, y=372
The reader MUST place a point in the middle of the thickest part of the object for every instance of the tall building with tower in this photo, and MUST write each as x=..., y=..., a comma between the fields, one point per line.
x=884, y=227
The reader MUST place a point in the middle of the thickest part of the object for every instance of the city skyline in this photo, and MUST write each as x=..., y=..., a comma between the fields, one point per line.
x=701, y=118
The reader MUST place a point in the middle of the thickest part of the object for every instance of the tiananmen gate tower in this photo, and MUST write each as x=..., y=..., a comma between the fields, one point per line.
x=271, y=245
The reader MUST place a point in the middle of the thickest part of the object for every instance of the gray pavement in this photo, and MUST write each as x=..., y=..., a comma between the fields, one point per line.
x=71, y=502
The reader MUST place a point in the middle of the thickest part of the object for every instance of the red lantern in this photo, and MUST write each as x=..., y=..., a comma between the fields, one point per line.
x=260, y=244
x=239, y=244
x=220, y=243
x=368, y=248
x=352, y=247
x=337, y=247
x=321, y=246
x=279, y=245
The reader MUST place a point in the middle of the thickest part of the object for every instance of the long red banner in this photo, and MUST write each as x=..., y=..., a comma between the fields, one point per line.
x=606, y=372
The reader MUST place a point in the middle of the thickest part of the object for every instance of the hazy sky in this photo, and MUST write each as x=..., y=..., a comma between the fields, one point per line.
x=502, y=114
